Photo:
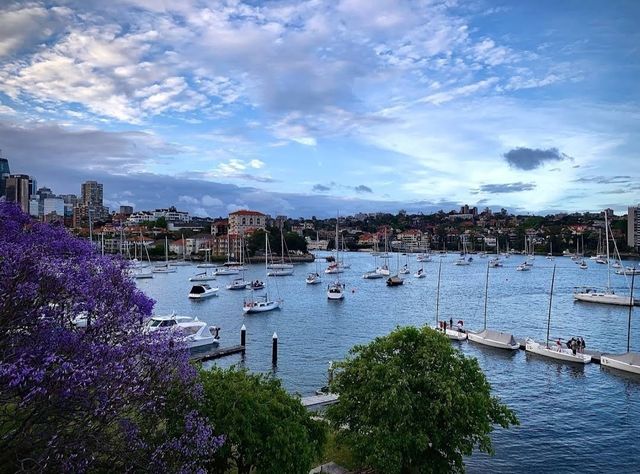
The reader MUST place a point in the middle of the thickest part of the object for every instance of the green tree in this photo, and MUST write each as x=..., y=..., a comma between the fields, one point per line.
x=409, y=402
x=265, y=428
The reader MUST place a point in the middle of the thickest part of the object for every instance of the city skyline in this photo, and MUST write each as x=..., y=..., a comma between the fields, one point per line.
x=306, y=108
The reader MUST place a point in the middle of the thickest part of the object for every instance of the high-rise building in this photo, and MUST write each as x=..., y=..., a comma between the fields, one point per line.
x=4, y=173
x=633, y=227
x=17, y=190
x=92, y=193
x=33, y=186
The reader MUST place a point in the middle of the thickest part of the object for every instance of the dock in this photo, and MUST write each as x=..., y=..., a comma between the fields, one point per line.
x=316, y=402
x=217, y=353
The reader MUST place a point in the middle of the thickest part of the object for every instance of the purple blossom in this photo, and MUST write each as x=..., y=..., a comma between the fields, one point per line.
x=73, y=397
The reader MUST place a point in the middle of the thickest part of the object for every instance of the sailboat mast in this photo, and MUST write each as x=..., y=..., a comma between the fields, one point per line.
x=438, y=294
x=553, y=278
x=606, y=236
x=486, y=293
x=633, y=276
x=266, y=265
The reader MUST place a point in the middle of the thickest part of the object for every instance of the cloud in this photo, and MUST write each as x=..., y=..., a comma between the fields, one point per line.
x=321, y=188
x=462, y=91
x=620, y=179
x=362, y=189
x=531, y=158
x=507, y=188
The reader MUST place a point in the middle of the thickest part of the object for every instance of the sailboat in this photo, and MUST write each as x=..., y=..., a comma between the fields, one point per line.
x=282, y=265
x=262, y=303
x=313, y=278
x=373, y=274
x=558, y=352
x=451, y=333
x=489, y=337
x=606, y=295
x=207, y=260
x=395, y=280
x=384, y=268
x=240, y=283
x=463, y=256
x=550, y=254
x=420, y=273
x=335, y=291
x=495, y=261
x=629, y=361
x=183, y=261
x=165, y=268
x=405, y=268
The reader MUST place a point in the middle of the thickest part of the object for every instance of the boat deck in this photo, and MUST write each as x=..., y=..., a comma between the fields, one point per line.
x=595, y=355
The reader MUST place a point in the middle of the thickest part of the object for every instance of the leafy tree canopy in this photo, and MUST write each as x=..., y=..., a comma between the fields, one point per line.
x=91, y=399
x=265, y=428
x=410, y=402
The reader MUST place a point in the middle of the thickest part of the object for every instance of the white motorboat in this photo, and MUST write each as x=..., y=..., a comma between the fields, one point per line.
x=462, y=262
x=198, y=333
x=204, y=276
x=335, y=291
x=523, y=267
x=557, y=352
x=165, y=322
x=583, y=265
x=202, y=291
x=193, y=332
x=313, y=279
x=238, y=284
x=423, y=258
x=616, y=265
x=256, y=285
x=628, y=362
x=495, y=263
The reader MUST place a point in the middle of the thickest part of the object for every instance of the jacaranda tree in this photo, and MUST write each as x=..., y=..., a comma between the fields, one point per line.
x=95, y=399
x=411, y=403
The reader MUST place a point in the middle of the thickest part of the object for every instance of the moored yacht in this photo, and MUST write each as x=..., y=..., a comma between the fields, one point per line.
x=201, y=291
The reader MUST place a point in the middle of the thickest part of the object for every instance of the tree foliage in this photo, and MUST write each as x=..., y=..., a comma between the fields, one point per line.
x=409, y=402
x=265, y=428
x=85, y=399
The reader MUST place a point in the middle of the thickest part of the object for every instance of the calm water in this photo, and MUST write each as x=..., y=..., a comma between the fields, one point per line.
x=572, y=418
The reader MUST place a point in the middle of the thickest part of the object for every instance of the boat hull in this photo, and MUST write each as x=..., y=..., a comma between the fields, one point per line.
x=261, y=307
x=564, y=355
x=490, y=342
x=280, y=273
x=607, y=361
x=603, y=298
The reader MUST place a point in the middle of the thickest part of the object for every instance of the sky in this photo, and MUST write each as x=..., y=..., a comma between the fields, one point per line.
x=315, y=107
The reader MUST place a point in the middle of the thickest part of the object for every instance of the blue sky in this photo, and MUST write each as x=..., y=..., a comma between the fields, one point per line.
x=308, y=107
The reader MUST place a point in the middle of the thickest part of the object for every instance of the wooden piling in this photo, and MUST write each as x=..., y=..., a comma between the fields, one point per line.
x=274, y=349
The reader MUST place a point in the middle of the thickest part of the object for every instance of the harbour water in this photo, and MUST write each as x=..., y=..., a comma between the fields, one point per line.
x=572, y=418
